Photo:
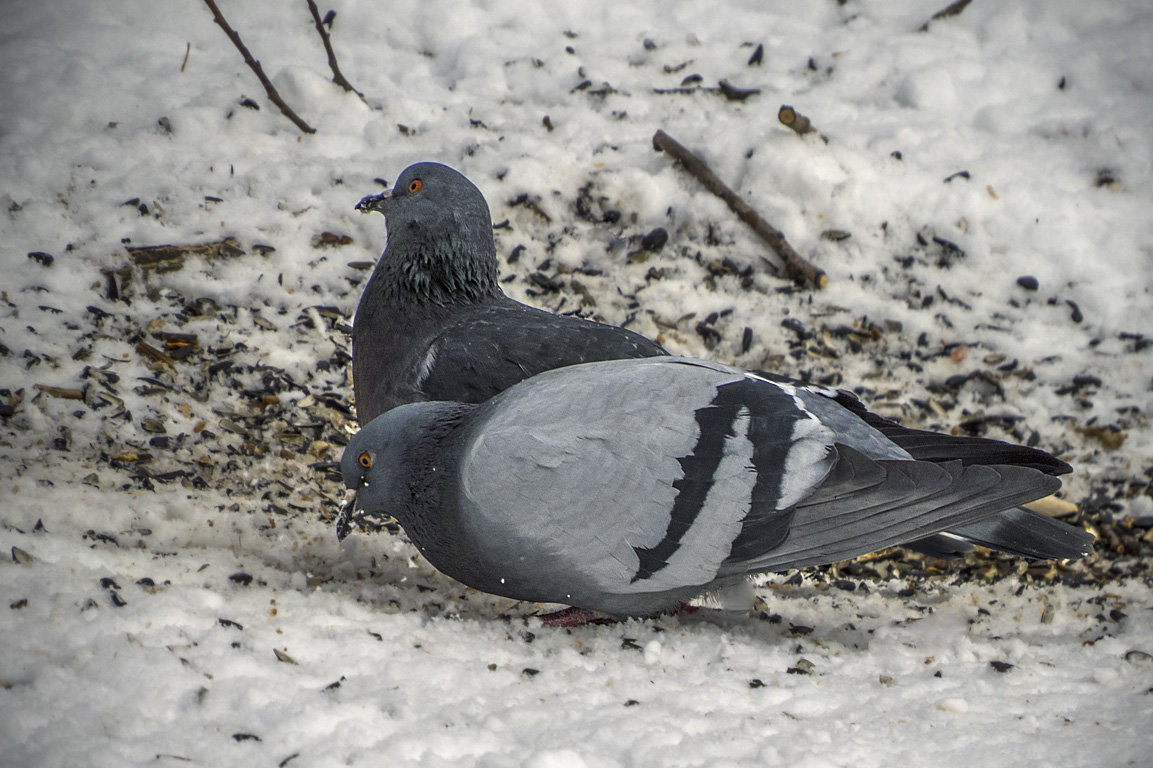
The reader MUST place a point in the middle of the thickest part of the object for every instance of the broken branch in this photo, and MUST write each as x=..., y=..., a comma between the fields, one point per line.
x=337, y=76
x=796, y=266
x=724, y=88
x=952, y=9
x=791, y=118
x=254, y=65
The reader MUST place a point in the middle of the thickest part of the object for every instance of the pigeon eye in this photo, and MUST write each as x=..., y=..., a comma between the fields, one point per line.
x=365, y=460
x=414, y=186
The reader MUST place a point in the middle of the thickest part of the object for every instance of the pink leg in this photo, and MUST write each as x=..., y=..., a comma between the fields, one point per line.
x=573, y=617
x=580, y=617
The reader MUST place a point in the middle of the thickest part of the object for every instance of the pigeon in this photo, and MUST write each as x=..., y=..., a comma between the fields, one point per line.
x=629, y=487
x=433, y=323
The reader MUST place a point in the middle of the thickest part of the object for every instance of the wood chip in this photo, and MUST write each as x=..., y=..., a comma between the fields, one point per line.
x=1111, y=439
x=733, y=93
x=1052, y=506
x=176, y=340
x=66, y=393
x=169, y=258
x=154, y=354
x=330, y=240
x=282, y=656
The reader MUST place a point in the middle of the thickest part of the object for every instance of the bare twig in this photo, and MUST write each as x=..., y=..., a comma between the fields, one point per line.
x=337, y=76
x=187, y=51
x=952, y=9
x=733, y=93
x=796, y=267
x=269, y=88
x=723, y=88
x=685, y=90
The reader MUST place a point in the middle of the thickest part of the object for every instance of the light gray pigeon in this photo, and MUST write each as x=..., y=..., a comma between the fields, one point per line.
x=629, y=487
x=433, y=323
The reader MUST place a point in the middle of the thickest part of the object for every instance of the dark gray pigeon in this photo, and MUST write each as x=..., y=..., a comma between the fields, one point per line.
x=433, y=323
x=628, y=487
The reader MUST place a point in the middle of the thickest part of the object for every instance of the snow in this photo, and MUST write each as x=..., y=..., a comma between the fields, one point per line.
x=183, y=668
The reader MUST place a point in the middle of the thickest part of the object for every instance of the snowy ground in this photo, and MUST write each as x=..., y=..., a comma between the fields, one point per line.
x=174, y=590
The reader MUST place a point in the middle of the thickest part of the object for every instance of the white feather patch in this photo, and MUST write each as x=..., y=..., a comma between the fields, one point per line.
x=426, y=365
x=709, y=539
x=808, y=459
x=793, y=389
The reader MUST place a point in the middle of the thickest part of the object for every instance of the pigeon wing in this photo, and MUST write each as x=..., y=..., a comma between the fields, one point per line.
x=1013, y=530
x=637, y=494
x=866, y=505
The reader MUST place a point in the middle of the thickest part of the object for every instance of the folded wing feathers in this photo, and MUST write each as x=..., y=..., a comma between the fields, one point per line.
x=933, y=446
x=924, y=445
x=914, y=499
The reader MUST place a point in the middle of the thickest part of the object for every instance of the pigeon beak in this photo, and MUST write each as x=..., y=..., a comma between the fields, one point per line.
x=344, y=519
x=375, y=202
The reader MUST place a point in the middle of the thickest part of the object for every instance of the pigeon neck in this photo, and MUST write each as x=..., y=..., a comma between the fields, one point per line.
x=438, y=270
x=431, y=461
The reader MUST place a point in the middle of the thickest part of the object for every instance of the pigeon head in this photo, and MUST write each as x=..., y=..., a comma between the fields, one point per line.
x=379, y=458
x=440, y=246
x=370, y=467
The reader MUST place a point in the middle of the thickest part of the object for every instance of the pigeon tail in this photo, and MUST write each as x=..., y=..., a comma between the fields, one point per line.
x=1019, y=532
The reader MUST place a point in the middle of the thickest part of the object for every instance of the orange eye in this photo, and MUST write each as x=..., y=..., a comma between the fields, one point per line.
x=365, y=459
x=414, y=186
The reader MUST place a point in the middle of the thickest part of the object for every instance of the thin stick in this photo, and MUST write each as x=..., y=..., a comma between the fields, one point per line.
x=269, y=88
x=952, y=9
x=187, y=50
x=724, y=88
x=337, y=76
x=796, y=267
